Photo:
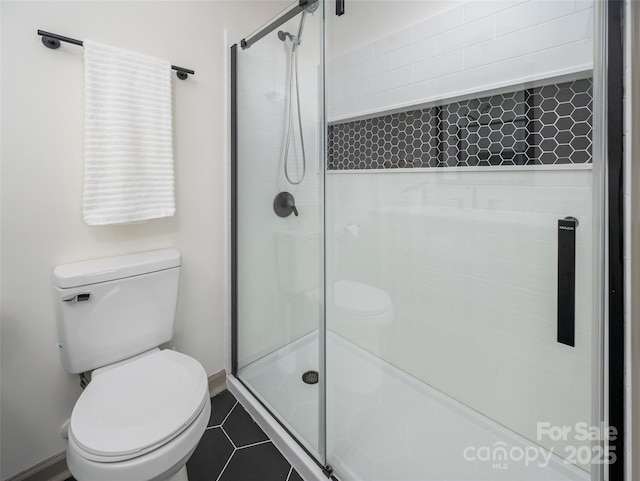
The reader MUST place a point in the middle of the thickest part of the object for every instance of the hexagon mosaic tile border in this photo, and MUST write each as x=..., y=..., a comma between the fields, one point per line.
x=546, y=125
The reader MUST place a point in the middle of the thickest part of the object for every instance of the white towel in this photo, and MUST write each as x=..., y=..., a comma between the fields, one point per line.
x=128, y=137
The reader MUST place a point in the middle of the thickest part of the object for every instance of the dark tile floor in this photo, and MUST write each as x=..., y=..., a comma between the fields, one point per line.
x=234, y=448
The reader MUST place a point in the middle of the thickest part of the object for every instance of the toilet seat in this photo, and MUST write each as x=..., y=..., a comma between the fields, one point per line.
x=358, y=299
x=134, y=407
x=160, y=463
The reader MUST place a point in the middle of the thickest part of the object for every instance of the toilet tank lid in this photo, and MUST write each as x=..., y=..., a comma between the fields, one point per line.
x=111, y=268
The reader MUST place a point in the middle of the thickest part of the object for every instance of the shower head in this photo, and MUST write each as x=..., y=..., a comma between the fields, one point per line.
x=295, y=40
x=283, y=36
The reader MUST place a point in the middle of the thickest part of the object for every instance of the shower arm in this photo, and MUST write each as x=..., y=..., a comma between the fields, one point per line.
x=303, y=5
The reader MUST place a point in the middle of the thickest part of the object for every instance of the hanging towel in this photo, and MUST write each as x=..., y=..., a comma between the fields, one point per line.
x=128, y=137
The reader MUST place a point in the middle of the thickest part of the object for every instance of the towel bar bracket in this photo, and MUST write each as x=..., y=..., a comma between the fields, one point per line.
x=51, y=42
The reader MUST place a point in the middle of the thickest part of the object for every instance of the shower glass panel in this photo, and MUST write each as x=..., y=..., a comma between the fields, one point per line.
x=279, y=218
x=461, y=309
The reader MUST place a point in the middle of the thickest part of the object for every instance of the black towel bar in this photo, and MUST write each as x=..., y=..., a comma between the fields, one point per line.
x=52, y=40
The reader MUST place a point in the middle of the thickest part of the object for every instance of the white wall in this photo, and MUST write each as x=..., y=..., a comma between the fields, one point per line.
x=42, y=105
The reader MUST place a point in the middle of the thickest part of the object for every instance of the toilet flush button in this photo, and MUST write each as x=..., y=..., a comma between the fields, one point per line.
x=80, y=297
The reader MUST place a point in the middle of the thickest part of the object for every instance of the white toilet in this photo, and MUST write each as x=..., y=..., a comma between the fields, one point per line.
x=361, y=311
x=145, y=409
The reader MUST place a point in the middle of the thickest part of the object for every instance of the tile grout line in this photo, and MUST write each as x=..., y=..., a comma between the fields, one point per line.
x=254, y=444
x=229, y=438
x=229, y=413
x=226, y=464
x=225, y=418
x=235, y=448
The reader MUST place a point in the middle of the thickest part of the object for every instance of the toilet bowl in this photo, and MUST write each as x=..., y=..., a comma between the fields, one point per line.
x=360, y=313
x=146, y=434
x=145, y=409
x=360, y=306
x=355, y=309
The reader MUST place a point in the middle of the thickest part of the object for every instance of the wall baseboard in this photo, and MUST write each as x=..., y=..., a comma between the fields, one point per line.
x=52, y=469
x=217, y=383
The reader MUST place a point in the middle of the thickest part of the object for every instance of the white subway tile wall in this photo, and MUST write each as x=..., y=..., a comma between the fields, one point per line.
x=533, y=12
x=438, y=67
x=478, y=46
x=478, y=9
x=470, y=33
x=438, y=24
x=268, y=318
x=567, y=29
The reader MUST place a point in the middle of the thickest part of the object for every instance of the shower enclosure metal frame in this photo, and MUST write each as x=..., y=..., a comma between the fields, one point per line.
x=608, y=381
x=609, y=48
x=302, y=5
x=233, y=77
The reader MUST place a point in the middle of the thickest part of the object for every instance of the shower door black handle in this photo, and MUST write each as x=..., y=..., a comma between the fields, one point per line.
x=567, y=280
x=339, y=7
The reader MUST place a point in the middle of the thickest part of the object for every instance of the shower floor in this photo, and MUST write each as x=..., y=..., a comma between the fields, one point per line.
x=384, y=425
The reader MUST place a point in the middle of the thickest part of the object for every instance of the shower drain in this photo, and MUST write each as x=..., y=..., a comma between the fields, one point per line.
x=310, y=377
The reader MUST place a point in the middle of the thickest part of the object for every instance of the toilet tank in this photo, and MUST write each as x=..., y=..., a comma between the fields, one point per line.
x=299, y=260
x=111, y=309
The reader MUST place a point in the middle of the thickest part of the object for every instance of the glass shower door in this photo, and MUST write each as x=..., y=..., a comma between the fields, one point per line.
x=279, y=218
x=462, y=204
